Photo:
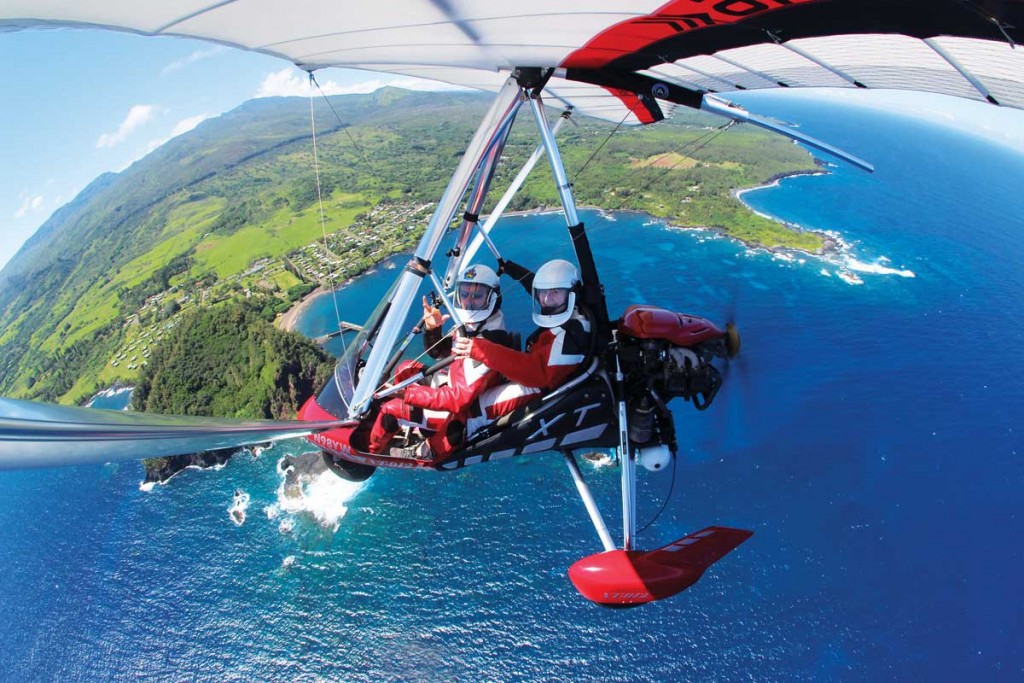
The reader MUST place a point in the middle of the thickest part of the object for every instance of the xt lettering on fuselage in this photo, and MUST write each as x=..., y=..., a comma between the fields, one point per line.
x=580, y=412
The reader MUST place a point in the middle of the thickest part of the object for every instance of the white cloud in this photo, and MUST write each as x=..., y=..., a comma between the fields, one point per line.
x=138, y=115
x=193, y=58
x=29, y=204
x=289, y=83
x=285, y=83
x=150, y=146
x=185, y=125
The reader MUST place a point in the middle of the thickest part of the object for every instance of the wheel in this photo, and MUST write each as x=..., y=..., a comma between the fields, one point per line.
x=349, y=471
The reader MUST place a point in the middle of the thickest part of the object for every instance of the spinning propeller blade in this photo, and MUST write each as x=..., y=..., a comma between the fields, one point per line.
x=46, y=435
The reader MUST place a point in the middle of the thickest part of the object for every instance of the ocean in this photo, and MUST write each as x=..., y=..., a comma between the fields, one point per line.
x=868, y=434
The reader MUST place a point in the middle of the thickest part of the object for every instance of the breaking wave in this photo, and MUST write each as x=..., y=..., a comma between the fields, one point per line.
x=307, y=487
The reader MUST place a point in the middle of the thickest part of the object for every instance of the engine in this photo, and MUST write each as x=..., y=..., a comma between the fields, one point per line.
x=666, y=355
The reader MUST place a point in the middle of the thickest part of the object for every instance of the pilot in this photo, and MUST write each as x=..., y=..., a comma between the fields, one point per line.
x=443, y=407
x=553, y=352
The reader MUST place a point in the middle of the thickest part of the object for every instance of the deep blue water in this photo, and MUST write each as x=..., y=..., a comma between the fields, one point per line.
x=869, y=436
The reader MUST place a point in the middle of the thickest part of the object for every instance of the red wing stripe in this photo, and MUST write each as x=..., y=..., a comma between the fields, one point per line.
x=635, y=105
x=671, y=19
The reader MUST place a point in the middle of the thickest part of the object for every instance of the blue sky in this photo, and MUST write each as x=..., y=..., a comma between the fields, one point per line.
x=77, y=103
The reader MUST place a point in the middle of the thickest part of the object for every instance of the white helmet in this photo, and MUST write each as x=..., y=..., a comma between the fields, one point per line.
x=554, y=295
x=476, y=293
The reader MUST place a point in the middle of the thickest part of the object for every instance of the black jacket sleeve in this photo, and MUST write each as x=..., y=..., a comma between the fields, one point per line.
x=435, y=346
x=520, y=274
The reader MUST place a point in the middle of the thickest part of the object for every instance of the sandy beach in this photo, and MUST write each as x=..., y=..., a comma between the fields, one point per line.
x=288, y=319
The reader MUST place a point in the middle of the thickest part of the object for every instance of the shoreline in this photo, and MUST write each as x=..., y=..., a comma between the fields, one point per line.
x=289, y=318
x=773, y=182
x=832, y=243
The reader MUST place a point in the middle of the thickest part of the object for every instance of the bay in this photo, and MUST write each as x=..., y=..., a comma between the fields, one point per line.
x=868, y=435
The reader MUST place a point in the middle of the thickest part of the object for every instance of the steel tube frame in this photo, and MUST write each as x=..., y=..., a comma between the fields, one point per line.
x=490, y=245
x=483, y=231
x=446, y=301
x=503, y=110
x=716, y=105
x=589, y=502
x=476, y=202
x=555, y=159
x=627, y=463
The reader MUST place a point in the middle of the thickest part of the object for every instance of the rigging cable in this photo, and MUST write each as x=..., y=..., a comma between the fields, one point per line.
x=345, y=127
x=323, y=230
x=320, y=204
x=697, y=144
x=685, y=151
x=671, y=488
x=689, y=152
x=599, y=148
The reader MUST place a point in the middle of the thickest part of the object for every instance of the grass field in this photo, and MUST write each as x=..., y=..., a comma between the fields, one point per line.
x=283, y=232
x=670, y=160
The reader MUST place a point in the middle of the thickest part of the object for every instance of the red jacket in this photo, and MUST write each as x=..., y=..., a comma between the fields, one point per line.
x=467, y=378
x=552, y=354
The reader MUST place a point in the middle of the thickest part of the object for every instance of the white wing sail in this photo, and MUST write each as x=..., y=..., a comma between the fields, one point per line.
x=605, y=47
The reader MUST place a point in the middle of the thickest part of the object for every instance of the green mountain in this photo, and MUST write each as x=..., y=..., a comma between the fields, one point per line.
x=229, y=210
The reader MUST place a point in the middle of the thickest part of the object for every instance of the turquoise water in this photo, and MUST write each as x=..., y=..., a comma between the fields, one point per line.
x=869, y=436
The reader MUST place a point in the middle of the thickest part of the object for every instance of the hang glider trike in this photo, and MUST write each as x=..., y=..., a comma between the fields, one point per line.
x=625, y=61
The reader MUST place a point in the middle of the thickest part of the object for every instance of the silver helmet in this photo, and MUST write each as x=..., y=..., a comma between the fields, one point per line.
x=554, y=293
x=476, y=293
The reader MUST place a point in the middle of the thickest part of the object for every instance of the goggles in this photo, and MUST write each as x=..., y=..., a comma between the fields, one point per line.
x=472, y=296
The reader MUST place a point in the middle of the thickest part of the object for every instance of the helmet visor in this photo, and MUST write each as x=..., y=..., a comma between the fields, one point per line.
x=472, y=296
x=551, y=301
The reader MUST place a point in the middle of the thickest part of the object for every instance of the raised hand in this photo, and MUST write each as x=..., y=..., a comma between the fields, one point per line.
x=432, y=317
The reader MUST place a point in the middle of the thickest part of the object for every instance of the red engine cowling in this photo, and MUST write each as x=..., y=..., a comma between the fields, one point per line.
x=679, y=329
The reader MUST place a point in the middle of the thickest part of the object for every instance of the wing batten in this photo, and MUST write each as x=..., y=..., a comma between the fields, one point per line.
x=998, y=66
x=697, y=45
x=821, y=18
x=823, y=64
x=192, y=15
x=760, y=74
x=978, y=85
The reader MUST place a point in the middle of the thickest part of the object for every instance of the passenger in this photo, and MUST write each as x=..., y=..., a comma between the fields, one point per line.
x=443, y=408
x=553, y=352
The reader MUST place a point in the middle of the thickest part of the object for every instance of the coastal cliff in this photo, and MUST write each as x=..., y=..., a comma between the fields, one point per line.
x=159, y=470
x=227, y=362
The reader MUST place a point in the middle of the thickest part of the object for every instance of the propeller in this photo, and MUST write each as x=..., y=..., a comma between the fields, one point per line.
x=735, y=378
x=46, y=435
x=732, y=330
x=732, y=340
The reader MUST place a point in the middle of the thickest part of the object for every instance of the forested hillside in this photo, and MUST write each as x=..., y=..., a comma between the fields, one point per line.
x=229, y=211
x=229, y=362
